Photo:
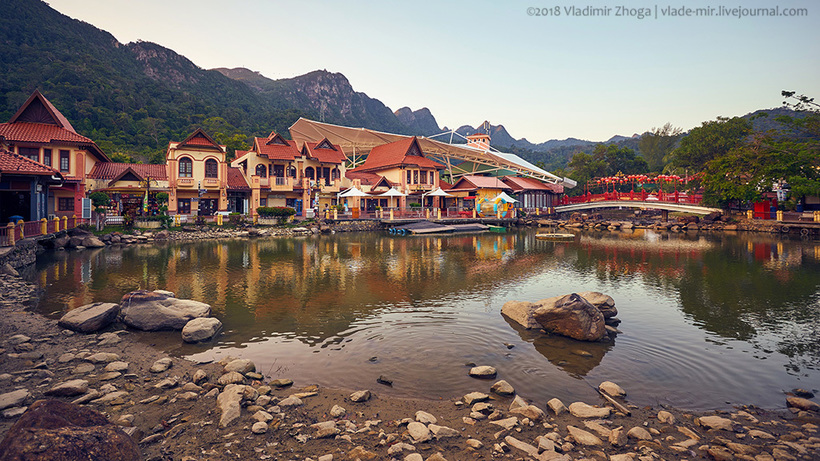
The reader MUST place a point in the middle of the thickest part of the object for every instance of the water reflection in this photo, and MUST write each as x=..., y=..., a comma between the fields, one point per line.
x=701, y=308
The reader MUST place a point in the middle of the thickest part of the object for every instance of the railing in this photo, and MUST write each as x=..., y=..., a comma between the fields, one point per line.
x=13, y=232
x=186, y=182
x=666, y=197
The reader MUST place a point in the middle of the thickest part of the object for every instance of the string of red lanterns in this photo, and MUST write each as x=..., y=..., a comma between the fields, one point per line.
x=640, y=178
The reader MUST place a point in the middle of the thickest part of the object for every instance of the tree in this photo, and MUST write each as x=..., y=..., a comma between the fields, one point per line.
x=100, y=200
x=711, y=140
x=582, y=168
x=619, y=159
x=657, y=144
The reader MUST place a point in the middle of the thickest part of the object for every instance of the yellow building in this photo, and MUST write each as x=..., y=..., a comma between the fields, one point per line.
x=197, y=176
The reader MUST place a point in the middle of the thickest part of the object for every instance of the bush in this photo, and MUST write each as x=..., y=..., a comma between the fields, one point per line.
x=275, y=211
x=414, y=205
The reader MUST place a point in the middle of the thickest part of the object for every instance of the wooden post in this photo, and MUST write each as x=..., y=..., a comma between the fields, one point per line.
x=73, y=221
x=335, y=214
x=426, y=213
x=817, y=216
x=391, y=214
x=474, y=214
x=750, y=214
x=779, y=215
x=56, y=224
x=498, y=213
x=176, y=220
x=438, y=213
x=43, y=226
x=11, y=228
x=65, y=223
x=20, y=225
x=219, y=220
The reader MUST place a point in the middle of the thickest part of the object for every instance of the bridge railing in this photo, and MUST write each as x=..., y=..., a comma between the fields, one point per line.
x=12, y=232
x=642, y=196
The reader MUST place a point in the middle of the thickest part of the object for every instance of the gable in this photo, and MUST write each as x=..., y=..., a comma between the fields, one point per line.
x=129, y=176
x=36, y=112
x=38, y=109
x=414, y=149
x=325, y=144
x=199, y=139
x=276, y=140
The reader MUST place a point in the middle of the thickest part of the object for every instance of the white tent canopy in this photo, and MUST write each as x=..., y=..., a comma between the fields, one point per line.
x=505, y=198
x=439, y=192
x=352, y=192
x=392, y=193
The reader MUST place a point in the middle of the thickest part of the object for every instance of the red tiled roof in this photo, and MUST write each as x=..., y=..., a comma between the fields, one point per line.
x=240, y=154
x=38, y=109
x=271, y=148
x=201, y=139
x=395, y=154
x=478, y=135
x=40, y=133
x=236, y=180
x=479, y=182
x=111, y=170
x=444, y=184
x=519, y=183
x=12, y=163
x=366, y=178
x=324, y=154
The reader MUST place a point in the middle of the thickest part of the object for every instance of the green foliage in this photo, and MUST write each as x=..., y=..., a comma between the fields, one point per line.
x=100, y=200
x=606, y=160
x=656, y=145
x=275, y=211
x=414, y=205
x=711, y=140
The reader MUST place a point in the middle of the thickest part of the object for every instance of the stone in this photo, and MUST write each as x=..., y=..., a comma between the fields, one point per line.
x=231, y=378
x=259, y=427
x=199, y=377
x=583, y=437
x=325, y=429
x=582, y=410
x=557, y=406
x=291, y=401
x=639, y=433
x=337, y=412
x=228, y=401
x=530, y=411
x=758, y=434
x=507, y=423
x=442, y=432
x=90, y=317
x=360, y=396
x=83, y=368
x=502, y=388
x=69, y=388
x=399, y=448
x=666, y=417
x=167, y=383
x=263, y=416
x=281, y=382
x=720, y=454
x=523, y=446
x=472, y=397
x=8, y=269
x=483, y=372
x=715, y=422
x=103, y=357
x=425, y=418
x=521, y=312
x=802, y=404
x=151, y=311
x=611, y=389
x=474, y=444
x=419, y=432
x=617, y=437
x=240, y=366
x=602, y=302
x=599, y=429
x=161, y=365
x=413, y=457
x=18, y=339
x=117, y=366
x=13, y=398
x=518, y=402
x=201, y=329
x=93, y=242
x=571, y=316
x=69, y=432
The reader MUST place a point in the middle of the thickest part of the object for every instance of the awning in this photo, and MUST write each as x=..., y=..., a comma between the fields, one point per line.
x=392, y=193
x=505, y=198
x=437, y=193
x=352, y=192
x=469, y=197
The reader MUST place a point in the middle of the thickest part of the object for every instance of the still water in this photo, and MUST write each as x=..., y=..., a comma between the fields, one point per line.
x=708, y=320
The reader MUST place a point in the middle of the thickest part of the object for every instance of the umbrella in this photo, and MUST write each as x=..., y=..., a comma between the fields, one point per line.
x=392, y=193
x=352, y=192
x=437, y=193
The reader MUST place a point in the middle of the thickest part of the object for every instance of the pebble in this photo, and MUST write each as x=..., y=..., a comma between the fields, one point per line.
x=103, y=357
x=472, y=397
x=582, y=410
x=291, y=402
x=259, y=427
x=502, y=388
x=231, y=377
x=583, y=437
x=281, y=382
x=116, y=366
x=337, y=411
x=419, y=432
x=360, y=396
x=425, y=418
x=611, y=389
x=483, y=372
x=557, y=406
x=161, y=365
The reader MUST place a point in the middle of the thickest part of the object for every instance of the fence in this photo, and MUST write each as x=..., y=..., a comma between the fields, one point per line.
x=642, y=196
x=13, y=232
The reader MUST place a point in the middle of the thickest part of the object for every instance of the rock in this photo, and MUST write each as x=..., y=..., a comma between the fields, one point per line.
x=199, y=377
x=802, y=404
x=7, y=269
x=263, y=416
x=442, y=432
x=228, y=403
x=413, y=457
x=521, y=312
x=90, y=317
x=13, y=398
x=291, y=401
x=425, y=418
x=611, y=389
x=201, y=329
x=483, y=372
x=69, y=388
x=557, y=406
x=167, y=383
x=518, y=402
x=281, y=382
x=337, y=412
x=583, y=437
x=523, y=446
x=360, y=396
x=419, y=432
x=715, y=422
x=502, y=388
x=639, y=433
x=507, y=423
x=231, y=378
x=617, y=437
x=571, y=316
x=720, y=454
x=240, y=366
x=400, y=447
x=93, y=242
x=474, y=444
x=151, y=311
x=602, y=302
x=666, y=417
x=69, y=432
x=582, y=410
x=117, y=366
x=259, y=427
x=103, y=357
x=161, y=365
x=472, y=397
x=530, y=411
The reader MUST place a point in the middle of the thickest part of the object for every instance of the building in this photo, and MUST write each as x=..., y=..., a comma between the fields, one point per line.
x=25, y=187
x=478, y=192
x=280, y=173
x=197, y=176
x=533, y=194
x=128, y=185
x=39, y=132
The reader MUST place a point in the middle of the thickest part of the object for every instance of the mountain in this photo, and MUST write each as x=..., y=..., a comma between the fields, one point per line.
x=420, y=122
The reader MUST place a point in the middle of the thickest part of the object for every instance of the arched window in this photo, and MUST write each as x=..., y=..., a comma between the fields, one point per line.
x=211, y=168
x=292, y=171
x=186, y=167
x=334, y=175
x=309, y=172
x=261, y=171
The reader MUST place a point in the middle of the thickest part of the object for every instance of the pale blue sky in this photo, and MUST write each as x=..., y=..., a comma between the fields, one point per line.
x=542, y=77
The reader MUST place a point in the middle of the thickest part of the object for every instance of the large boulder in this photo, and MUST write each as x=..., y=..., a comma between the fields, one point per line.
x=91, y=317
x=93, y=242
x=521, y=312
x=603, y=302
x=572, y=316
x=69, y=432
x=201, y=329
x=151, y=311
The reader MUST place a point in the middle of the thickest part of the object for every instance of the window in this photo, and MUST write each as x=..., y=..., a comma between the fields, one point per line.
x=409, y=176
x=47, y=157
x=211, y=168
x=334, y=175
x=32, y=153
x=292, y=171
x=263, y=201
x=186, y=168
x=261, y=171
x=415, y=177
x=65, y=161
x=184, y=206
x=65, y=204
x=309, y=172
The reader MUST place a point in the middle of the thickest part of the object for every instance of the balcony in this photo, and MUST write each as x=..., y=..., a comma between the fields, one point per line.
x=422, y=187
x=329, y=186
x=185, y=182
x=210, y=183
x=280, y=183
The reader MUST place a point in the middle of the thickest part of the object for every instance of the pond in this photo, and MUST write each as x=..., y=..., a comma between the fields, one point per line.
x=708, y=320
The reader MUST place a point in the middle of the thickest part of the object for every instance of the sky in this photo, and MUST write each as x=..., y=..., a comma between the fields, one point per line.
x=530, y=65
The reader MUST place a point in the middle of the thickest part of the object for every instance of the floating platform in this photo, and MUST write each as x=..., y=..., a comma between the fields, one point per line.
x=498, y=229
x=427, y=227
x=556, y=237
